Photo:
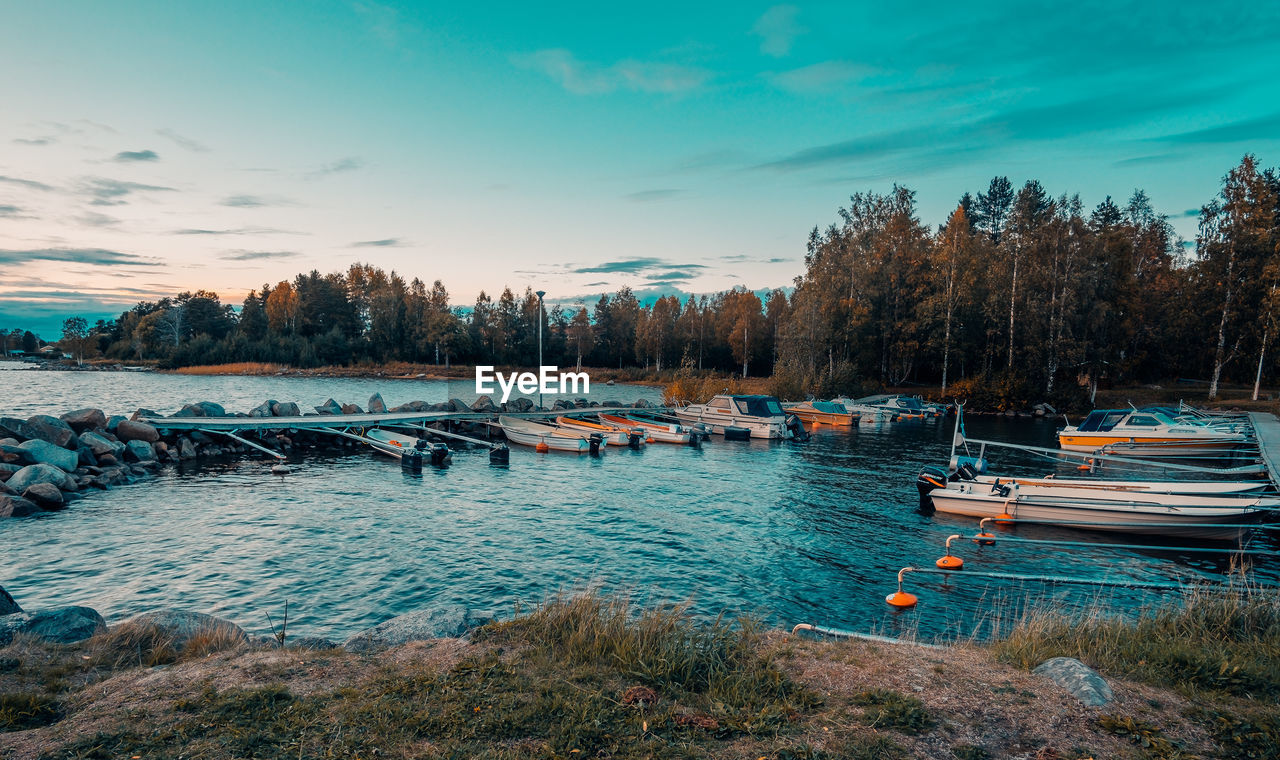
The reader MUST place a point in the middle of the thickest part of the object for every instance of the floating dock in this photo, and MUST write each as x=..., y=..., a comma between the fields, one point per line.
x=384, y=419
x=1266, y=431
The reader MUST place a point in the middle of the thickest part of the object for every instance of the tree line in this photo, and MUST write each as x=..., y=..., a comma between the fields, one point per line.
x=1019, y=293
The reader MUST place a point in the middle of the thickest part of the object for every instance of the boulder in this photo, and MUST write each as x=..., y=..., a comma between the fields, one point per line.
x=13, y=428
x=7, y=604
x=330, y=407
x=85, y=456
x=48, y=428
x=186, y=449
x=181, y=625
x=263, y=409
x=610, y=403
x=85, y=419
x=113, y=421
x=561, y=404
x=641, y=404
x=5, y=490
x=422, y=625
x=141, y=412
x=108, y=460
x=376, y=404
x=11, y=624
x=285, y=409
x=28, y=476
x=15, y=454
x=484, y=404
x=47, y=453
x=211, y=409
x=65, y=625
x=189, y=410
x=352, y=409
x=129, y=430
x=520, y=404
x=7, y=470
x=45, y=496
x=457, y=405
x=139, y=451
x=16, y=506
x=1077, y=678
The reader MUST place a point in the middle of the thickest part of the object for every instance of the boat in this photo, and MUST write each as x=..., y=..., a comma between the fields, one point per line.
x=904, y=407
x=1215, y=517
x=1144, y=433
x=657, y=432
x=759, y=416
x=404, y=447
x=529, y=433
x=1185, y=487
x=823, y=413
x=614, y=435
x=867, y=414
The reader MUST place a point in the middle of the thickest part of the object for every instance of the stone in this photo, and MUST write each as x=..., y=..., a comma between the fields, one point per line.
x=376, y=404
x=186, y=449
x=352, y=409
x=263, y=409
x=561, y=404
x=85, y=419
x=211, y=409
x=422, y=625
x=285, y=409
x=129, y=430
x=641, y=404
x=16, y=454
x=16, y=506
x=11, y=624
x=107, y=460
x=44, y=495
x=5, y=490
x=7, y=604
x=520, y=404
x=1079, y=679
x=47, y=453
x=139, y=451
x=140, y=413
x=189, y=410
x=113, y=421
x=65, y=625
x=49, y=428
x=330, y=407
x=28, y=476
x=13, y=429
x=85, y=456
x=181, y=625
x=484, y=404
x=457, y=405
x=161, y=449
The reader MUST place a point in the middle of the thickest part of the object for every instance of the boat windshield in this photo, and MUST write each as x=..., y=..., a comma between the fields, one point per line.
x=1101, y=421
x=1142, y=420
x=759, y=406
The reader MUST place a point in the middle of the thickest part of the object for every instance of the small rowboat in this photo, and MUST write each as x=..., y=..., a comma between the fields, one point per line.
x=823, y=413
x=405, y=447
x=528, y=433
x=1185, y=487
x=656, y=432
x=614, y=435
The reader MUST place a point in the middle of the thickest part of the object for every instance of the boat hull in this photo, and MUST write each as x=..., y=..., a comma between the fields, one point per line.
x=1203, y=487
x=1090, y=443
x=716, y=424
x=654, y=431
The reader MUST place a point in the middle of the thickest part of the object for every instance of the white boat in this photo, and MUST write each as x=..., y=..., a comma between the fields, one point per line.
x=904, y=407
x=528, y=433
x=658, y=432
x=1144, y=433
x=1186, y=487
x=614, y=435
x=868, y=415
x=761, y=416
x=401, y=446
x=1190, y=516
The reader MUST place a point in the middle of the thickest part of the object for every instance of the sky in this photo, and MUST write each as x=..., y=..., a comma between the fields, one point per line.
x=147, y=148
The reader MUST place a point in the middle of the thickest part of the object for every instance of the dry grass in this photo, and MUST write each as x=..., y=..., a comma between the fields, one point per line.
x=237, y=368
x=690, y=388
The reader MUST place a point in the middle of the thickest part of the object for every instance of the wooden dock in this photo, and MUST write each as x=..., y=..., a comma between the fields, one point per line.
x=389, y=419
x=1266, y=430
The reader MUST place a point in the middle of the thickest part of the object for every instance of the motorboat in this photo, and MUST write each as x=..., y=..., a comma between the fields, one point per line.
x=823, y=413
x=904, y=407
x=530, y=433
x=407, y=447
x=866, y=414
x=760, y=416
x=657, y=432
x=1185, y=487
x=614, y=435
x=1143, y=433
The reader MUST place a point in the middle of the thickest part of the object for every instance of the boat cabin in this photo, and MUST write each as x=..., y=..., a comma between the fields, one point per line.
x=1106, y=420
x=749, y=406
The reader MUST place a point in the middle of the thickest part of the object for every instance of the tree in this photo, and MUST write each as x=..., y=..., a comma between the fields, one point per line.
x=282, y=309
x=30, y=343
x=992, y=209
x=75, y=337
x=580, y=334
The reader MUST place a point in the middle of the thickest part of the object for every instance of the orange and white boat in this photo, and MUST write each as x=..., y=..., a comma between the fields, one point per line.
x=614, y=435
x=1143, y=433
x=823, y=413
x=657, y=432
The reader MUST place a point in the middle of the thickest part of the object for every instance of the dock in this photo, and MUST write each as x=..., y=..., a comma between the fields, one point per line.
x=388, y=419
x=1266, y=431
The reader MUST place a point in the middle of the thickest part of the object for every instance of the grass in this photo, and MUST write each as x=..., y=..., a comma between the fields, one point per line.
x=132, y=644
x=889, y=709
x=27, y=710
x=235, y=368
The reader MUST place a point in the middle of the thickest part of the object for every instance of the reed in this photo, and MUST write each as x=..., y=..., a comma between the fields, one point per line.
x=238, y=368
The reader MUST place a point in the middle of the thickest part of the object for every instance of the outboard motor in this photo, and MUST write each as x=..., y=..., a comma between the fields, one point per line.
x=441, y=456
x=411, y=460
x=930, y=479
x=595, y=440
x=634, y=439
x=695, y=438
x=702, y=432
x=500, y=455
x=1001, y=489
x=796, y=426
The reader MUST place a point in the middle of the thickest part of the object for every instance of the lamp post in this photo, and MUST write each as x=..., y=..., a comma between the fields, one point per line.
x=540, y=294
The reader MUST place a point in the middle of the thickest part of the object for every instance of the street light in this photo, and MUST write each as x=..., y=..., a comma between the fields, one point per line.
x=540, y=294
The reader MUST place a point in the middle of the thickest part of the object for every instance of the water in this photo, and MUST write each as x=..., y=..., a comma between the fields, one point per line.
x=792, y=532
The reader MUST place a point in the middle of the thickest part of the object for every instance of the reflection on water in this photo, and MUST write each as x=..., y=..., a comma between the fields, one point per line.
x=793, y=532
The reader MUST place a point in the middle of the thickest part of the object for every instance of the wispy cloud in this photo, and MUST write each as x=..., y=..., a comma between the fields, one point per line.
x=89, y=256
x=133, y=156
x=1244, y=130
x=237, y=231
x=778, y=30
x=820, y=78
x=257, y=255
x=182, y=141
x=34, y=141
x=648, y=196
x=671, y=276
x=254, y=201
x=94, y=219
x=384, y=243
x=111, y=192
x=349, y=164
x=634, y=266
x=28, y=183
x=10, y=212
x=584, y=78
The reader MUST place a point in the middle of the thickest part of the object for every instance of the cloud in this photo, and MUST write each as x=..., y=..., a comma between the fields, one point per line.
x=1159, y=158
x=257, y=255
x=33, y=141
x=94, y=219
x=254, y=201
x=348, y=164
x=820, y=78
x=29, y=183
x=583, y=78
x=777, y=30
x=237, y=231
x=1244, y=130
x=647, y=196
x=90, y=256
x=384, y=243
x=1190, y=213
x=10, y=212
x=182, y=141
x=131, y=156
x=633, y=266
x=110, y=192
x=671, y=276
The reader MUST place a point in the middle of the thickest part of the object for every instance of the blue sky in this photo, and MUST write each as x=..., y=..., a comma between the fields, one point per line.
x=152, y=147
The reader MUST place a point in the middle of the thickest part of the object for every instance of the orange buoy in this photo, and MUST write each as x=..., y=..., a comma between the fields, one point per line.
x=985, y=539
x=901, y=599
x=950, y=562
x=542, y=447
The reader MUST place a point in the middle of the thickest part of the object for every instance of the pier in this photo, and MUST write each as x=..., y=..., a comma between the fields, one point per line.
x=1266, y=431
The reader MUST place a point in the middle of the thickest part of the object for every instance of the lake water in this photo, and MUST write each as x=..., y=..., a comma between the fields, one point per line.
x=793, y=532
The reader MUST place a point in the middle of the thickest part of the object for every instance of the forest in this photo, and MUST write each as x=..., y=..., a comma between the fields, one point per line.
x=1019, y=293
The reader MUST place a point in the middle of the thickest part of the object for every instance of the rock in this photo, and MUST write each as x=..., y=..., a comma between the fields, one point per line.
x=376, y=404
x=5, y=490
x=11, y=624
x=113, y=421
x=308, y=642
x=421, y=625
x=352, y=409
x=484, y=404
x=16, y=506
x=561, y=404
x=263, y=409
x=611, y=403
x=44, y=495
x=85, y=419
x=139, y=451
x=107, y=460
x=49, y=428
x=7, y=604
x=47, y=453
x=1077, y=678
x=161, y=448
x=181, y=625
x=330, y=407
x=457, y=405
x=15, y=454
x=190, y=410
x=65, y=625
x=141, y=412
x=28, y=476
x=581, y=403
x=13, y=428
x=641, y=404
x=7, y=470
x=186, y=449
x=84, y=455
x=129, y=430
x=211, y=409
x=285, y=409
x=520, y=404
